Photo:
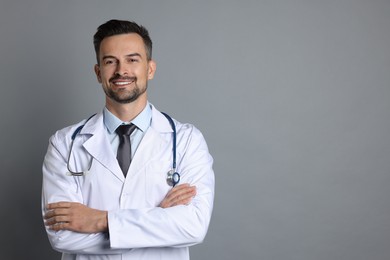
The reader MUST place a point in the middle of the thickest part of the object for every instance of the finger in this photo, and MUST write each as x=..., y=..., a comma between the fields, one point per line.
x=56, y=220
x=56, y=212
x=184, y=201
x=61, y=204
x=179, y=193
x=59, y=226
x=184, y=193
x=181, y=186
x=180, y=190
x=184, y=198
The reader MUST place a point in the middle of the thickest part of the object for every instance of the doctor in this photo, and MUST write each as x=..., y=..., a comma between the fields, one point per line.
x=108, y=212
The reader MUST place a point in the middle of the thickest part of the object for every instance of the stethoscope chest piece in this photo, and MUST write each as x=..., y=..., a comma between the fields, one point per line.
x=173, y=178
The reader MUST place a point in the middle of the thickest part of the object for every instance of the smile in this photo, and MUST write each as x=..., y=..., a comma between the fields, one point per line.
x=122, y=83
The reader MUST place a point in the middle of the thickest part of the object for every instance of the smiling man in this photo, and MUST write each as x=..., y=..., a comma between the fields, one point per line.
x=110, y=184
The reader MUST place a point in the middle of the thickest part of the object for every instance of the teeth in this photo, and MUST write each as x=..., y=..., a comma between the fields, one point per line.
x=123, y=83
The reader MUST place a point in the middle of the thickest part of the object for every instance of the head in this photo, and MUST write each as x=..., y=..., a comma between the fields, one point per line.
x=116, y=27
x=124, y=62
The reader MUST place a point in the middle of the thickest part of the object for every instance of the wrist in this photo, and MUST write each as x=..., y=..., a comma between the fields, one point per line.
x=102, y=223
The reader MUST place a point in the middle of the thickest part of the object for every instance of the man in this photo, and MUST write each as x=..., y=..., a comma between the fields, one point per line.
x=96, y=207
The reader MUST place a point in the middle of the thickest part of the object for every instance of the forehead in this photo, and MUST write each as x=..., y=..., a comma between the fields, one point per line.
x=122, y=44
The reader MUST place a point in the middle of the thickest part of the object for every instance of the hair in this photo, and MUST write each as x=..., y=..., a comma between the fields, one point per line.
x=116, y=27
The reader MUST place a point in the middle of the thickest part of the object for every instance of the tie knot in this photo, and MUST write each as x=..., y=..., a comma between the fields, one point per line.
x=125, y=129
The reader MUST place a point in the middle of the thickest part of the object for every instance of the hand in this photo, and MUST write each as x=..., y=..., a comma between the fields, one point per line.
x=75, y=217
x=179, y=195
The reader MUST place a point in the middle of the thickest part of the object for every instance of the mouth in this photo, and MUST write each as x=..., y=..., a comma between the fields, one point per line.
x=122, y=82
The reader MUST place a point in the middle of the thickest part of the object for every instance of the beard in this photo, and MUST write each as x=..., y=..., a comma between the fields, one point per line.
x=126, y=96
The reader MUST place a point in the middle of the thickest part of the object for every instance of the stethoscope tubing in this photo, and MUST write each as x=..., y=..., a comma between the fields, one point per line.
x=173, y=177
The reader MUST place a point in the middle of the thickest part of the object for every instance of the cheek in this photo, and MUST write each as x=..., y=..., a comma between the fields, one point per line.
x=105, y=76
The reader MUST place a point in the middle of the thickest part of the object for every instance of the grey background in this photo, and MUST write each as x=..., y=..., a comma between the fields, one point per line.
x=292, y=96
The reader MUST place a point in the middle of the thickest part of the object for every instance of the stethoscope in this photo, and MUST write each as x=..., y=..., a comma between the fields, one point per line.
x=173, y=177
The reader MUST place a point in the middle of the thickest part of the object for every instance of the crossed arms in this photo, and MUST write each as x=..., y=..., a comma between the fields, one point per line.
x=74, y=216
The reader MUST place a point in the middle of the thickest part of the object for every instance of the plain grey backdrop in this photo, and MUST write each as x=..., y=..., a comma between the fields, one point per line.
x=293, y=98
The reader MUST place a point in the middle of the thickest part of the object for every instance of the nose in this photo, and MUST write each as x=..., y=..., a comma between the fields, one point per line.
x=121, y=69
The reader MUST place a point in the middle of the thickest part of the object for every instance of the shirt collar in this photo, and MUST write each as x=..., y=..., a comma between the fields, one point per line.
x=142, y=121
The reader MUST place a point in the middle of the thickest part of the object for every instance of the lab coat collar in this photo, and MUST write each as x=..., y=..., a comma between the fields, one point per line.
x=160, y=122
x=99, y=147
x=96, y=123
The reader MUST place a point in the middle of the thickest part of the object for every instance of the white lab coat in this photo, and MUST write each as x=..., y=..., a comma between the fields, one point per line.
x=138, y=229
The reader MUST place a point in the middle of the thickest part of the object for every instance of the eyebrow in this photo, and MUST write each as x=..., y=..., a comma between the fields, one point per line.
x=134, y=55
x=128, y=55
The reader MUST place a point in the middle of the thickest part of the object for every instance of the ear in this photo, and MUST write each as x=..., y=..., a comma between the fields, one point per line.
x=97, y=72
x=151, y=69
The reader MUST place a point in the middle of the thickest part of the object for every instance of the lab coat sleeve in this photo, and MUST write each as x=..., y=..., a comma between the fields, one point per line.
x=178, y=226
x=57, y=186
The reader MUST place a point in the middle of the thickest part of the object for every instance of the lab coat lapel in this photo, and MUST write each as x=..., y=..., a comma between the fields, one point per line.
x=152, y=144
x=99, y=147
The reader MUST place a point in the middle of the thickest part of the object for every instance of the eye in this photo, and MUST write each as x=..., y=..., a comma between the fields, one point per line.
x=132, y=60
x=109, y=61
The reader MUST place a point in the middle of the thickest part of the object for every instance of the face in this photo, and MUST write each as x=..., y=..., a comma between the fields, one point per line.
x=123, y=68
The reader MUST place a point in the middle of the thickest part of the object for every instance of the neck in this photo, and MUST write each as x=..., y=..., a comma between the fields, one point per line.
x=126, y=112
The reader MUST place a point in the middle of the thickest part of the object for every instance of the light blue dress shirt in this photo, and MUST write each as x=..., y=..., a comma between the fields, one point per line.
x=142, y=121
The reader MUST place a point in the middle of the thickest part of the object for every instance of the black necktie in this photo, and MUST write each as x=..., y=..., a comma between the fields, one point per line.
x=124, y=149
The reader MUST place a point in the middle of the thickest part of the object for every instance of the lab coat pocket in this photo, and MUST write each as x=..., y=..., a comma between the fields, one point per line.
x=156, y=181
x=100, y=188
